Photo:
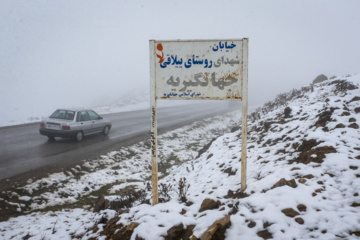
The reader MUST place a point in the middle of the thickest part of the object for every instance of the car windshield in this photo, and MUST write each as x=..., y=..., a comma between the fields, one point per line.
x=63, y=114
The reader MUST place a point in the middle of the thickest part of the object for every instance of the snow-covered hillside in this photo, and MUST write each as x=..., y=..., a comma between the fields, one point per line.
x=303, y=181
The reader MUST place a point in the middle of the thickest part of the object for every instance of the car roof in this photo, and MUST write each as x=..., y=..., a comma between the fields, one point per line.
x=75, y=109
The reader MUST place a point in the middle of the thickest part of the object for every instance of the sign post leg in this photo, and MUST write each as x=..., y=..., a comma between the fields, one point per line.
x=154, y=165
x=243, y=146
x=153, y=130
x=244, y=76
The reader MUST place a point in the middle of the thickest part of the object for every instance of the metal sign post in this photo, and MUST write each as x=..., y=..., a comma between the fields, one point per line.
x=153, y=130
x=198, y=69
x=244, y=104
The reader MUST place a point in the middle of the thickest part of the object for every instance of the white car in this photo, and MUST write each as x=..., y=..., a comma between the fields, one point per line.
x=74, y=123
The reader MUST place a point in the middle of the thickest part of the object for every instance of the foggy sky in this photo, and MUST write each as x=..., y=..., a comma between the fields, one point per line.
x=88, y=53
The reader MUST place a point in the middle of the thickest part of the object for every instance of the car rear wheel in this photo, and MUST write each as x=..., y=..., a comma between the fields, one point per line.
x=79, y=136
x=106, y=130
x=51, y=138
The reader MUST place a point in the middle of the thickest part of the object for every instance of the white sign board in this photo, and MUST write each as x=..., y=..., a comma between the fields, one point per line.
x=199, y=69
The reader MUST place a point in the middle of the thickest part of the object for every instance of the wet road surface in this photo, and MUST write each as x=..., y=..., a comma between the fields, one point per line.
x=24, y=153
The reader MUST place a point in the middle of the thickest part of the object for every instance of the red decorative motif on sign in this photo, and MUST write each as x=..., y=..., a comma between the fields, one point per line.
x=159, y=47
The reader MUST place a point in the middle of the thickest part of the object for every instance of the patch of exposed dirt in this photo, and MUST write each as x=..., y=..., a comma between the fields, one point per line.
x=324, y=117
x=308, y=152
x=112, y=230
x=343, y=85
x=205, y=148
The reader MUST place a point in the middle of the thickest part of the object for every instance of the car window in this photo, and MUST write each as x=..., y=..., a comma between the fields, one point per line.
x=69, y=115
x=63, y=114
x=93, y=115
x=84, y=116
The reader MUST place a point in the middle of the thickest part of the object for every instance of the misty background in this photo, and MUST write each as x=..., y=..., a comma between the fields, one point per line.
x=88, y=53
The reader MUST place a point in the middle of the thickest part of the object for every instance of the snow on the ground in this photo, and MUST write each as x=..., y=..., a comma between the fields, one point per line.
x=323, y=191
x=129, y=164
x=127, y=167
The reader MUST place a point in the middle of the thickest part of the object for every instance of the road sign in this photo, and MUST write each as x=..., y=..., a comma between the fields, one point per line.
x=198, y=70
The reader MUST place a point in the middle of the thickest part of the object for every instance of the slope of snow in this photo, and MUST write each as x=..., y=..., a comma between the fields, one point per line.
x=329, y=190
x=303, y=180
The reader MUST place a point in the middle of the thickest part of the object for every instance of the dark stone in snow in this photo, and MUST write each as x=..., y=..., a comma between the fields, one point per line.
x=209, y=204
x=284, y=182
x=289, y=212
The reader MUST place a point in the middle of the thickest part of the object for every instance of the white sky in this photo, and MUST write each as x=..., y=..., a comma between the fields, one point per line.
x=86, y=53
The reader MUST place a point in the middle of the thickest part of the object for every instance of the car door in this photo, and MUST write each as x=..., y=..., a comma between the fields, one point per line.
x=96, y=120
x=85, y=122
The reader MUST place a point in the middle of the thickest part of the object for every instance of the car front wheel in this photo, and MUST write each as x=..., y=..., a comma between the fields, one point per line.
x=79, y=136
x=106, y=130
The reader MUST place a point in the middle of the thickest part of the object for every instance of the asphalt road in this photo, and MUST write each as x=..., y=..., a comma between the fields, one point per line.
x=24, y=153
